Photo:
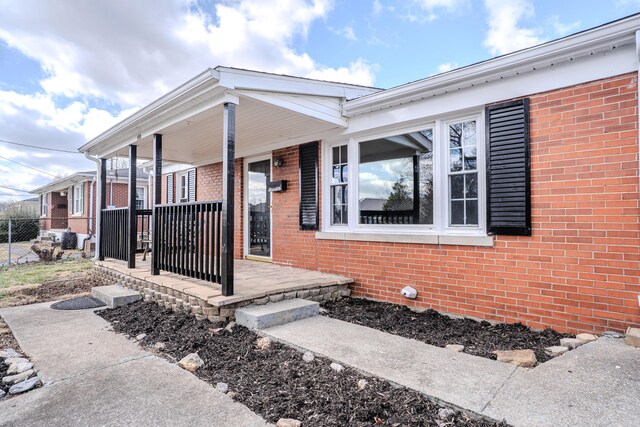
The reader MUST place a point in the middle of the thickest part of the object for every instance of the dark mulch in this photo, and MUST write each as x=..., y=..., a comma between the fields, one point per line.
x=479, y=338
x=276, y=383
x=3, y=373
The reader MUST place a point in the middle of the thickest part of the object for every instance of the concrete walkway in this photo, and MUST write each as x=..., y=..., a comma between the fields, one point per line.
x=95, y=377
x=597, y=384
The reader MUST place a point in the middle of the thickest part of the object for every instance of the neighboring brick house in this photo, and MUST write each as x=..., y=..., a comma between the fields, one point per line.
x=507, y=190
x=69, y=203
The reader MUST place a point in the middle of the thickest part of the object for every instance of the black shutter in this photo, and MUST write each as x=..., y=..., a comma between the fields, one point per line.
x=170, y=191
x=508, y=169
x=191, y=178
x=309, y=186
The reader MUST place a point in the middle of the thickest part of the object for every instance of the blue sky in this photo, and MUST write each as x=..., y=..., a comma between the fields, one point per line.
x=71, y=69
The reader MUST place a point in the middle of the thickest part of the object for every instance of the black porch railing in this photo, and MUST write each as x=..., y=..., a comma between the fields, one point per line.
x=187, y=239
x=113, y=241
x=387, y=217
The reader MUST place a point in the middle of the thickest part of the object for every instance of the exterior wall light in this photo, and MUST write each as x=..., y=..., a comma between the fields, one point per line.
x=278, y=162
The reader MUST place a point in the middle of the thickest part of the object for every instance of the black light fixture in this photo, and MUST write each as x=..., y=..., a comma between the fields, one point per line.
x=278, y=162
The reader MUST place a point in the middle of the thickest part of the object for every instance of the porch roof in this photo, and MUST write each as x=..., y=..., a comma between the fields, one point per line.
x=273, y=111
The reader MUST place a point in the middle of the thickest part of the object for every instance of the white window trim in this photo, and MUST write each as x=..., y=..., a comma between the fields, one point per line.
x=74, y=191
x=144, y=199
x=443, y=233
x=44, y=205
x=178, y=186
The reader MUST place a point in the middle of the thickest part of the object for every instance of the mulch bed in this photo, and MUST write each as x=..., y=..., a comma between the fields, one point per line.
x=480, y=338
x=276, y=383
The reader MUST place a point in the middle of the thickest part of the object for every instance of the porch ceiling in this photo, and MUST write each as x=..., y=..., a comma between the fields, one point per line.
x=260, y=127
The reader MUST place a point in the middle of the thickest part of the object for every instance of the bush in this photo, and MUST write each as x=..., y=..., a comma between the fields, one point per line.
x=24, y=225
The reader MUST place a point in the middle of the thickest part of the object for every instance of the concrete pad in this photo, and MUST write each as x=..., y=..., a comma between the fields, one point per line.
x=272, y=314
x=95, y=377
x=115, y=295
x=463, y=380
x=596, y=384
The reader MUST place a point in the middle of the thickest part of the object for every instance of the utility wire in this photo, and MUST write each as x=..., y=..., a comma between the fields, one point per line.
x=39, y=148
x=14, y=188
x=27, y=166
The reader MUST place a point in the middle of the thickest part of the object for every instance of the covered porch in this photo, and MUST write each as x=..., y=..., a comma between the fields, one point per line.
x=220, y=116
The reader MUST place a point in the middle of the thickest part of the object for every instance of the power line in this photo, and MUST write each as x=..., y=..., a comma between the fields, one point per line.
x=27, y=166
x=39, y=148
x=14, y=188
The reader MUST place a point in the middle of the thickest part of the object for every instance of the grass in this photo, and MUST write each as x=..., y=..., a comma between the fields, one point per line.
x=28, y=274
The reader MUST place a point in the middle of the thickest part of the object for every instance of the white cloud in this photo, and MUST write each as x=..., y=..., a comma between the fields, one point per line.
x=347, y=32
x=444, y=4
x=561, y=28
x=505, y=33
x=443, y=68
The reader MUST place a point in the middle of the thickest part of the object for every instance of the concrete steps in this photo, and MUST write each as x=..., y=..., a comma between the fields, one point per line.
x=278, y=313
x=115, y=295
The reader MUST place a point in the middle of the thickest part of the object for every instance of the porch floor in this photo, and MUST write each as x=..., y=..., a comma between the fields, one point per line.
x=252, y=280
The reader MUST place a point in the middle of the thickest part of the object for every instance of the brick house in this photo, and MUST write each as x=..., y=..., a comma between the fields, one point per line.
x=506, y=190
x=69, y=203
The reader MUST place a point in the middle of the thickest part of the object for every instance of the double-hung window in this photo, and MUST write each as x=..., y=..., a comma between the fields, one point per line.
x=141, y=198
x=425, y=180
x=44, y=206
x=77, y=199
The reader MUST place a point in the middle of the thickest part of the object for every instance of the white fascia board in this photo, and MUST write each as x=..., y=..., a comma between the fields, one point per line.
x=207, y=78
x=64, y=183
x=328, y=110
x=213, y=98
x=414, y=112
x=587, y=43
x=255, y=80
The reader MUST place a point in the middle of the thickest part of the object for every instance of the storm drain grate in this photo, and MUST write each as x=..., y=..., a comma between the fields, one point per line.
x=79, y=303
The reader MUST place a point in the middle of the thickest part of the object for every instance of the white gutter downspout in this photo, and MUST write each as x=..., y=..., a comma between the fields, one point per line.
x=93, y=182
x=98, y=197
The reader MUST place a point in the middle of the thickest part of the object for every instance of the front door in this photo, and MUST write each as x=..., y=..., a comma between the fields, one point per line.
x=259, y=208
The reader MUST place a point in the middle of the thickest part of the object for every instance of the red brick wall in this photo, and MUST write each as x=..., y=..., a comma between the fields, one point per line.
x=56, y=217
x=580, y=271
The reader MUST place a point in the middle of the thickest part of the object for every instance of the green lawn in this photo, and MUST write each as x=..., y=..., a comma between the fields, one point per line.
x=27, y=274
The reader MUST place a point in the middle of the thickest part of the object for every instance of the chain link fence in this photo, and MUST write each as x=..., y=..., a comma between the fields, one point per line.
x=41, y=239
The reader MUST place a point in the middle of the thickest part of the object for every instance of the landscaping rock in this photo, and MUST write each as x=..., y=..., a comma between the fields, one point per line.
x=612, y=334
x=288, y=422
x=337, y=367
x=455, y=347
x=2, y=393
x=18, y=368
x=362, y=384
x=523, y=358
x=159, y=346
x=263, y=343
x=222, y=387
x=444, y=413
x=191, y=362
x=14, y=379
x=586, y=337
x=571, y=342
x=556, y=350
x=9, y=352
x=25, y=385
x=230, y=326
x=141, y=337
x=11, y=360
x=633, y=337
x=261, y=301
x=308, y=357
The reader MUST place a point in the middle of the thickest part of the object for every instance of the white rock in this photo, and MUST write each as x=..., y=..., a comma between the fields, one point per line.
x=288, y=422
x=11, y=360
x=586, y=337
x=9, y=352
x=25, y=385
x=141, y=337
x=337, y=367
x=2, y=393
x=18, y=368
x=191, y=362
x=571, y=342
x=362, y=384
x=222, y=387
x=230, y=326
x=556, y=350
x=523, y=358
x=160, y=346
x=308, y=357
x=14, y=379
x=263, y=343
x=444, y=413
x=455, y=347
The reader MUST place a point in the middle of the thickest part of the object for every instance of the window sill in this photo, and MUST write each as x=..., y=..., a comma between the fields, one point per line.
x=425, y=239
